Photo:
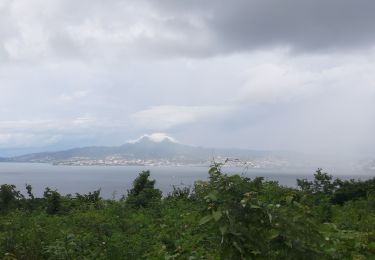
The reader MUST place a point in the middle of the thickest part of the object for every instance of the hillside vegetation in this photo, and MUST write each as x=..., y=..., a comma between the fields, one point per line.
x=226, y=217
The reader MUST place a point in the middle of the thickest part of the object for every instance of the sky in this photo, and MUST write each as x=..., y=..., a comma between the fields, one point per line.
x=257, y=74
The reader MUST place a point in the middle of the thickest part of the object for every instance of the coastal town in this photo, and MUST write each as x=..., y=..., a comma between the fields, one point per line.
x=227, y=162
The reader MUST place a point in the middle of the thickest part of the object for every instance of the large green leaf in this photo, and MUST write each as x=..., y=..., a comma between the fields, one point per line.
x=217, y=215
x=205, y=219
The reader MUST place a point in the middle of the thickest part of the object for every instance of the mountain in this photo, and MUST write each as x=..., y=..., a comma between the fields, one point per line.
x=148, y=149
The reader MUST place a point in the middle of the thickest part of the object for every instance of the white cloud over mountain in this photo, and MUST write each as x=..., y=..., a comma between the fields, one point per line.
x=154, y=137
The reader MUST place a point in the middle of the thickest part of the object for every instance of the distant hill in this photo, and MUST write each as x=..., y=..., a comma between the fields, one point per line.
x=145, y=148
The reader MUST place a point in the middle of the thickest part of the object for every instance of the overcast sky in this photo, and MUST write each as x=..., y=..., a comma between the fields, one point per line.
x=259, y=74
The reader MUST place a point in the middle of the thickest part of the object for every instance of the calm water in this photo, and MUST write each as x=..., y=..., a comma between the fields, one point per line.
x=115, y=180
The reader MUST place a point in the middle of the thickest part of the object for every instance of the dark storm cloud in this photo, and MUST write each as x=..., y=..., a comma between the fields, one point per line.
x=123, y=30
x=302, y=25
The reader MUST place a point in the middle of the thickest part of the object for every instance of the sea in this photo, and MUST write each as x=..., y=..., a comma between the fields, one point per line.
x=114, y=181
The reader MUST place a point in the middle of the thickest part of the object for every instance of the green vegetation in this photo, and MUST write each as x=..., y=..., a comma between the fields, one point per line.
x=226, y=217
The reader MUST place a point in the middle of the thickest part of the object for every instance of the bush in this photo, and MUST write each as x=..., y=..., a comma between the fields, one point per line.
x=353, y=190
x=143, y=194
x=9, y=196
x=52, y=201
x=252, y=228
x=179, y=193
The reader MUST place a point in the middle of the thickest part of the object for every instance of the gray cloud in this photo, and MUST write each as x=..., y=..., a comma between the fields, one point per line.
x=214, y=73
x=302, y=25
x=53, y=30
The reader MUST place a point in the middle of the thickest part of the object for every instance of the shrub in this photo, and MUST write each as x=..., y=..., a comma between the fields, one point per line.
x=9, y=196
x=52, y=201
x=143, y=194
x=252, y=228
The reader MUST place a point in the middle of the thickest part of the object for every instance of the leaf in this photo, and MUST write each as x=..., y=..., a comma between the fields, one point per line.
x=212, y=195
x=237, y=247
x=223, y=229
x=289, y=199
x=254, y=206
x=297, y=218
x=274, y=234
x=270, y=217
x=212, y=170
x=217, y=215
x=205, y=219
x=297, y=204
x=256, y=252
x=371, y=246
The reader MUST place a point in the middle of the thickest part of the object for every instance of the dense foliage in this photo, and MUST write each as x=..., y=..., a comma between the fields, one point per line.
x=225, y=217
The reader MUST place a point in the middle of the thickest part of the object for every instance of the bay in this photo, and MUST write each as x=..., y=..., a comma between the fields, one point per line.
x=114, y=181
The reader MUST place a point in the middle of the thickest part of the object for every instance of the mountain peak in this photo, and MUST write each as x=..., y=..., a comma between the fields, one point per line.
x=154, y=137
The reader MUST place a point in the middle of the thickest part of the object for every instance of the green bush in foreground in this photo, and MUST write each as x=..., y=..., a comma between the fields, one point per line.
x=226, y=217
